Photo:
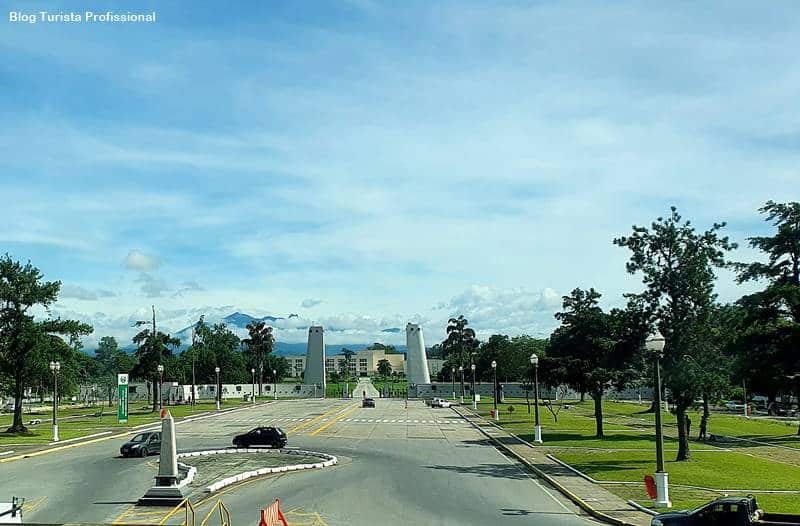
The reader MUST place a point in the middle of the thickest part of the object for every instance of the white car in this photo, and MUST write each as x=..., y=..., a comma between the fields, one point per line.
x=440, y=402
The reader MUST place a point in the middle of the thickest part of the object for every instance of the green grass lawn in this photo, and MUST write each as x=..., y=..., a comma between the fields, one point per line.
x=723, y=470
x=683, y=498
x=87, y=424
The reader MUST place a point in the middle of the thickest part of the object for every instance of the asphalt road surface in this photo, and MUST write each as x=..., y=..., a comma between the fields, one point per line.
x=398, y=465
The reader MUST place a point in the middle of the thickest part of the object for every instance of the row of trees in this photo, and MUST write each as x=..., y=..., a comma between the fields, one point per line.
x=710, y=348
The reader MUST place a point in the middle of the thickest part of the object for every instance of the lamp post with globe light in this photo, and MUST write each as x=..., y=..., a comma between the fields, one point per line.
x=461, y=372
x=494, y=371
x=655, y=345
x=274, y=384
x=474, y=399
x=453, y=379
x=160, y=369
x=219, y=387
x=537, y=428
x=55, y=367
x=253, y=390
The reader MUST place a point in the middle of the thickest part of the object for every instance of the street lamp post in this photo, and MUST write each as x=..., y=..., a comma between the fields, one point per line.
x=219, y=387
x=453, y=378
x=537, y=428
x=274, y=384
x=253, y=390
x=474, y=400
x=55, y=367
x=655, y=344
x=461, y=370
x=160, y=386
x=494, y=397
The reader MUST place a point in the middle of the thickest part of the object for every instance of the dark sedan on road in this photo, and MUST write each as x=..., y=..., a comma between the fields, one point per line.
x=142, y=445
x=261, y=436
x=368, y=402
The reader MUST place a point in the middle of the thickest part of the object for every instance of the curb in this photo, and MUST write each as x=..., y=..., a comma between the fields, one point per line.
x=329, y=460
x=550, y=480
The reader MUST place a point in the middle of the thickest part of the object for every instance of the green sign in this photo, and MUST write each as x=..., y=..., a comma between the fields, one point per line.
x=122, y=398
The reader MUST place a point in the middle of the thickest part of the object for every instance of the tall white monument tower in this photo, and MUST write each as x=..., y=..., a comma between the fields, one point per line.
x=416, y=359
x=315, y=358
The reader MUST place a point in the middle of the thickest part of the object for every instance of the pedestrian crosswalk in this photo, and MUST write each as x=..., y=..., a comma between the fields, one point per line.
x=266, y=420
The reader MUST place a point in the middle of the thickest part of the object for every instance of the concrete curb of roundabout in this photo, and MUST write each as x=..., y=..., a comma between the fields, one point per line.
x=597, y=514
x=328, y=460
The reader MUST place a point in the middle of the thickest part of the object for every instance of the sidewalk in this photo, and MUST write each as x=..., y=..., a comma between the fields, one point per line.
x=592, y=498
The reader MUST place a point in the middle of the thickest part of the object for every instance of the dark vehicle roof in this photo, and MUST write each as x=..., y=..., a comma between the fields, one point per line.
x=369, y=399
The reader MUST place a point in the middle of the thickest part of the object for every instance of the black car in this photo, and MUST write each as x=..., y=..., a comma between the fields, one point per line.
x=368, y=402
x=142, y=445
x=261, y=436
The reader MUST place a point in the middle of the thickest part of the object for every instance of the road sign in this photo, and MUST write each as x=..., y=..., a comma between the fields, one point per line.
x=122, y=398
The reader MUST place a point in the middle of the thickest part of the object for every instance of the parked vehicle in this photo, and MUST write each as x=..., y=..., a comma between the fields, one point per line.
x=368, y=402
x=432, y=401
x=726, y=511
x=142, y=445
x=261, y=436
x=440, y=402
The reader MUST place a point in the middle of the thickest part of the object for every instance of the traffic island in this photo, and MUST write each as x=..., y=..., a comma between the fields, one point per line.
x=219, y=468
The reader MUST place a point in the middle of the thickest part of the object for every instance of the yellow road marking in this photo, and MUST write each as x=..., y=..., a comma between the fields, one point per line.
x=333, y=421
x=313, y=420
x=31, y=506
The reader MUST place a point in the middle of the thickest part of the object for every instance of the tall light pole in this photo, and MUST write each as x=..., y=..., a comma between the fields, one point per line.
x=453, y=378
x=274, y=384
x=537, y=434
x=194, y=352
x=494, y=398
x=219, y=387
x=160, y=386
x=474, y=399
x=55, y=367
x=655, y=345
x=461, y=372
x=253, y=390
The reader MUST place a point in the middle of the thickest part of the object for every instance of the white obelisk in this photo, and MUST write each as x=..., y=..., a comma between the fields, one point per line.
x=416, y=359
x=315, y=358
x=166, y=491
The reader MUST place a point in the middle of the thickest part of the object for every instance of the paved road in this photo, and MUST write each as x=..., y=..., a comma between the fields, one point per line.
x=397, y=466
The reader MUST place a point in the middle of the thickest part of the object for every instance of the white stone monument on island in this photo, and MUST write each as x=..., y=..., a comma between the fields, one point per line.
x=416, y=359
x=166, y=491
x=315, y=358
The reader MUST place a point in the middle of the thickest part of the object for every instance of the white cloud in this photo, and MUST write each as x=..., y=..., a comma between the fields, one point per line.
x=81, y=293
x=493, y=310
x=151, y=286
x=138, y=260
x=310, y=302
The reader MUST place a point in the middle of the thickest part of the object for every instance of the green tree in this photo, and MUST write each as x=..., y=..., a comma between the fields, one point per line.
x=154, y=348
x=460, y=343
x=27, y=346
x=257, y=347
x=384, y=367
x=595, y=348
x=109, y=361
x=774, y=312
x=344, y=365
x=677, y=265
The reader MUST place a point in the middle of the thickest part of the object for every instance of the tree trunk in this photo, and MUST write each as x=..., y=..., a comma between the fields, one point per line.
x=110, y=395
x=583, y=396
x=17, y=426
x=704, y=419
x=598, y=414
x=683, y=433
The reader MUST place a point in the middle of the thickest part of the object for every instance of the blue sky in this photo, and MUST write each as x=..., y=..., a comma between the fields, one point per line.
x=370, y=163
